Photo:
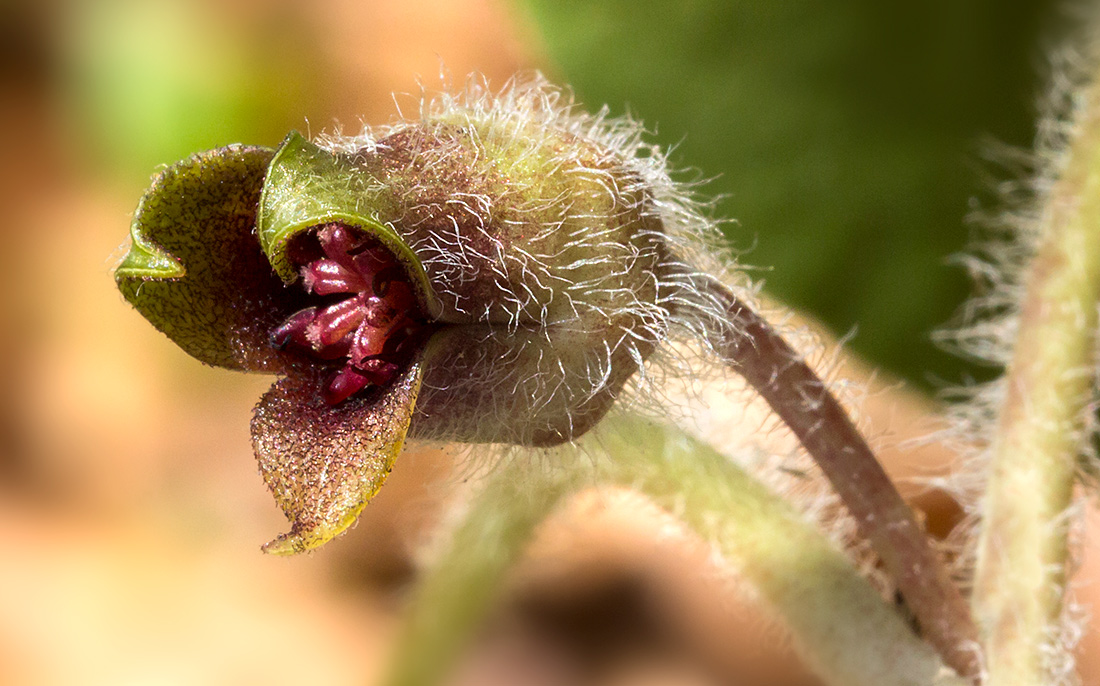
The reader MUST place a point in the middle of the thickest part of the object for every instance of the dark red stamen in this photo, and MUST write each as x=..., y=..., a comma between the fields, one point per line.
x=332, y=324
x=292, y=332
x=325, y=277
x=368, y=329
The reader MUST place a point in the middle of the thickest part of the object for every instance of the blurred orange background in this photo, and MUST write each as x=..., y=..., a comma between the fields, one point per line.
x=131, y=511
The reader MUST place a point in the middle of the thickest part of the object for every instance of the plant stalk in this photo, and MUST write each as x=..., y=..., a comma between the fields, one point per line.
x=839, y=623
x=1023, y=549
x=837, y=620
x=802, y=400
x=456, y=595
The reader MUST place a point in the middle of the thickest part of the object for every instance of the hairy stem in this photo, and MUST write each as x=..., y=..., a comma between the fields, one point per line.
x=454, y=598
x=1023, y=545
x=837, y=620
x=802, y=400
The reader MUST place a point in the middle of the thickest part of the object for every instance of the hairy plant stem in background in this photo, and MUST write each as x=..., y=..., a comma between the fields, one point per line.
x=804, y=403
x=453, y=599
x=1023, y=550
x=839, y=622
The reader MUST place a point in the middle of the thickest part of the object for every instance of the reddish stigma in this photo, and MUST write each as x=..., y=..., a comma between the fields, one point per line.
x=370, y=329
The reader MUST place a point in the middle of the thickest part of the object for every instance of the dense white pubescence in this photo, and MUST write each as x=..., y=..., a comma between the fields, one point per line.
x=986, y=326
x=683, y=380
x=589, y=288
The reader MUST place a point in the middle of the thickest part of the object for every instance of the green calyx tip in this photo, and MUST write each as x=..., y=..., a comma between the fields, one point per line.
x=307, y=187
x=194, y=269
x=146, y=261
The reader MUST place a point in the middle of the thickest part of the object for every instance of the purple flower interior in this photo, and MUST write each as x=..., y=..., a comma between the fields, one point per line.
x=366, y=317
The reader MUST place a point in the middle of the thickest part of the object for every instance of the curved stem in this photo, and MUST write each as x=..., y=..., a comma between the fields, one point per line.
x=839, y=623
x=456, y=595
x=802, y=400
x=837, y=620
x=1023, y=548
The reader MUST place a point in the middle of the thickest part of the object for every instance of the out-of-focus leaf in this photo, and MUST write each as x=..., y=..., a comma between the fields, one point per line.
x=147, y=82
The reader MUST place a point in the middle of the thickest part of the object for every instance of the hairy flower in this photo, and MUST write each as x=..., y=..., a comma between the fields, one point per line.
x=494, y=271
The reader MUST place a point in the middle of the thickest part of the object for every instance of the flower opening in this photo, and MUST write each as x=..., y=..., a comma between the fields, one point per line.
x=369, y=318
x=500, y=270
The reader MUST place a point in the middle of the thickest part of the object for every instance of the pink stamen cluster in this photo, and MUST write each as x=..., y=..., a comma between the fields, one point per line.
x=370, y=328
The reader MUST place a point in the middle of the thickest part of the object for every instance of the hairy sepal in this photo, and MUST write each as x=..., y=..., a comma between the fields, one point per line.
x=324, y=463
x=307, y=187
x=194, y=269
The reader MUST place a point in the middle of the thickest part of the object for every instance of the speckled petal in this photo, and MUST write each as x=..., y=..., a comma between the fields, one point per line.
x=195, y=268
x=324, y=463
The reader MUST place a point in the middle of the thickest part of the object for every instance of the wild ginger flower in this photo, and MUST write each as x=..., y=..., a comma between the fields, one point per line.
x=494, y=271
x=497, y=270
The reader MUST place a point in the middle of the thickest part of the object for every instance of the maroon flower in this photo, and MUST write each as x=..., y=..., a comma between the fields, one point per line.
x=494, y=272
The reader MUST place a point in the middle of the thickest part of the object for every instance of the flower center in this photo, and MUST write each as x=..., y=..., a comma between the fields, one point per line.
x=371, y=329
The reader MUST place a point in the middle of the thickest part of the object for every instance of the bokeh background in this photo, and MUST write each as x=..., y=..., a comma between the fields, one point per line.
x=849, y=143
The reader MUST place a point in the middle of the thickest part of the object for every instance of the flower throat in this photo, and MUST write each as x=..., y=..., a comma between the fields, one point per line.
x=372, y=328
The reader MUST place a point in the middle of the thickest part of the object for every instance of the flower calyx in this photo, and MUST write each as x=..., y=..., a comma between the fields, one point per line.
x=480, y=277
